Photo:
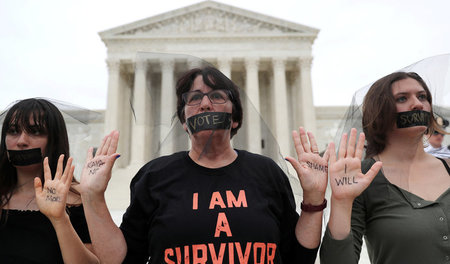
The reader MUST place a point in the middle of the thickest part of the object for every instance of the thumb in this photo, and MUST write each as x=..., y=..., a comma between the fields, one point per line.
x=37, y=186
x=112, y=159
x=296, y=165
x=374, y=170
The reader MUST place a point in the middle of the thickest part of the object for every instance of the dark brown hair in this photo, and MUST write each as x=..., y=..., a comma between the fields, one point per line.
x=215, y=79
x=380, y=112
x=49, y=120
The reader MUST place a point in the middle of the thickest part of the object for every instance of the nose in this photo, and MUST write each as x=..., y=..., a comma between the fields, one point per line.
x=205, y=104
x=23, y=140
x=417, y=104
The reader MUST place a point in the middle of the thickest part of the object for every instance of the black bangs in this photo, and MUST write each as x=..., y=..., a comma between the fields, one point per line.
x=31, y=117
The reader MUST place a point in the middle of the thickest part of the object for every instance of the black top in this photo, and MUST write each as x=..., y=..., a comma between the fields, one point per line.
x=29, y=237
x=181, y=212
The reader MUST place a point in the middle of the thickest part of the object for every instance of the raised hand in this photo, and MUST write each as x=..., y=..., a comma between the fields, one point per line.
x=51, y=199
x=346, y=179
x=97, y=169
x=311, y=168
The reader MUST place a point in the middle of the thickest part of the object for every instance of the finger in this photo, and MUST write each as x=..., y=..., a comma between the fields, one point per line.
x=373, y=170
x=89, y=154
x=312, y=140
x=70, y=176
x=343, y=146
x=304, y=140
x=112, y=159
x=114, y=141
x=59, y=168
x=102, y=146
x=106, y=146
x=326, y=155
x=37, y=186
x=67, y=170
x=297, y=144
x=351, y=143
x=332, y=152
x=47, y=171
x=360, y=146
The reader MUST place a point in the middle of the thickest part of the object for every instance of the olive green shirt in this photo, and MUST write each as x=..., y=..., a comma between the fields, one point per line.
x=398, y=227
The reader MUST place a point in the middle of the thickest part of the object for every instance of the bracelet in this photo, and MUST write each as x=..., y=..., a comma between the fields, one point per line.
x=313, y=208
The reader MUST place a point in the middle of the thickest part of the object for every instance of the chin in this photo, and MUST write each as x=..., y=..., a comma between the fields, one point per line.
x=208, y=133
x=415, y=129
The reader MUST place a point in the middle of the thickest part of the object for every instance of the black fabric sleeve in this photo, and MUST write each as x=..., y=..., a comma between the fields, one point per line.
x=136, y=219
x=291, y=250
x=78, y=220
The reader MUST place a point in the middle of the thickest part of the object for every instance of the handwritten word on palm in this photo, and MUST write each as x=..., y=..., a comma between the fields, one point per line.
x=51, y=198
x=97, y=169
x=311, y=168
x=346, y=179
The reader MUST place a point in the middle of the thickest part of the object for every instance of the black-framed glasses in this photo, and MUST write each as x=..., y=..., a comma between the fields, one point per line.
x=215, y=96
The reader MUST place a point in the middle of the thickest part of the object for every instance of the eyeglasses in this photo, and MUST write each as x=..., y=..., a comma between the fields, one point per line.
x=215, y=96
x=437, y=133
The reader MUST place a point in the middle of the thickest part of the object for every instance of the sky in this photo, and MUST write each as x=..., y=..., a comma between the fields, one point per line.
x=51, y=48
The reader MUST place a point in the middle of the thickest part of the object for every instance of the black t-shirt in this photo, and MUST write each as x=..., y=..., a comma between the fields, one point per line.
x=181, y=212
x=29, y=237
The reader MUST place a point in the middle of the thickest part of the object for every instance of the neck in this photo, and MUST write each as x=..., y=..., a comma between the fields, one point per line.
x=403, y=147
x=25, y=179
x=213, y=151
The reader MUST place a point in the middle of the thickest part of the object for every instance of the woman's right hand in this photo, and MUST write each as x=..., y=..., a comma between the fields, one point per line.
x=347, y=182
x=97, y=169
x=346, y=179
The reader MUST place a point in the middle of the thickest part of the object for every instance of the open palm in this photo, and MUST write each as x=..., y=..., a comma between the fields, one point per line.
x=346, y=179
x=311, y=168
x=51, y=198
x=97, y=169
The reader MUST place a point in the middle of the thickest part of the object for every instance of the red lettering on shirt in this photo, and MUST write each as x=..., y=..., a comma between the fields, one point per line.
x=241, y=201
x=216, y=199
x=195, y=201
x=262, y=251
x=243, y=258
x=222, y=225
x=197, y=257
x=271, y=250
x=168, y=252
x=217, y=259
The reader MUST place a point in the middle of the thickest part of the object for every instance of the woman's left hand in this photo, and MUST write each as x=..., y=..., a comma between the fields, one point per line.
x=51, y=198
x=311, y=168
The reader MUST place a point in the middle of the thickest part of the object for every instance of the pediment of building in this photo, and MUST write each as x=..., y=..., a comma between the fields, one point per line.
x=208, y=18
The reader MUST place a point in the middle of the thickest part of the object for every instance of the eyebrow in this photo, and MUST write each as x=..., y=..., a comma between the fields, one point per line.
x=405, y=93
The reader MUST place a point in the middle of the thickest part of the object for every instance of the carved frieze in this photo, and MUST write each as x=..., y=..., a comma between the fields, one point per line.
x=209, y=20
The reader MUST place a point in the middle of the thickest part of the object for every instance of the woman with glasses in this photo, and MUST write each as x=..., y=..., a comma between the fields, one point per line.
x=213, y=203
x=435, y=141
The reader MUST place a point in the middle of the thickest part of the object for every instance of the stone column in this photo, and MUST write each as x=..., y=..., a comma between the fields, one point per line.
x=225, y=66
x=280, y=105
x=141, y=105
x=167, y=105
x=252, y=111
x=305, y=105
x=113, y=105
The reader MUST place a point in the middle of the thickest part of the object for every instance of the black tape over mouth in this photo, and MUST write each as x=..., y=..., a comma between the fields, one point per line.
x=413, y=118
x=25, y=157
x=209, y=121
